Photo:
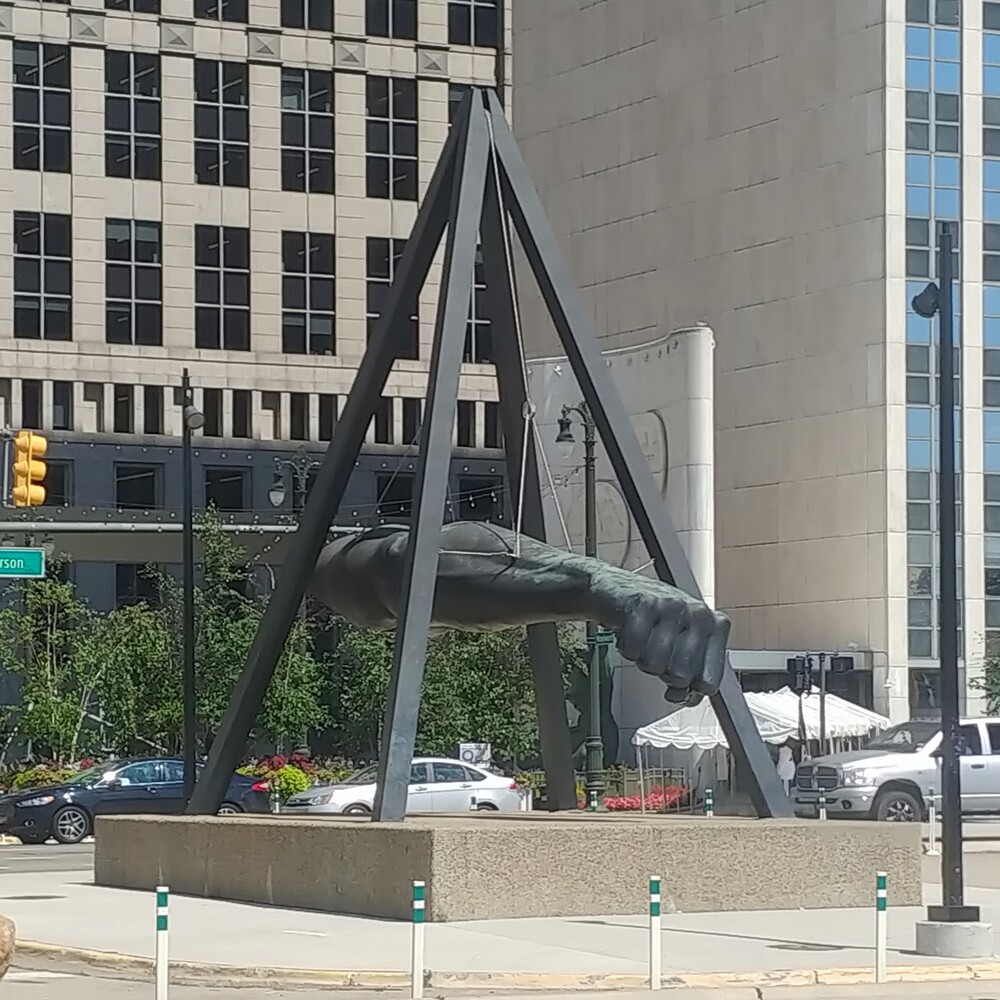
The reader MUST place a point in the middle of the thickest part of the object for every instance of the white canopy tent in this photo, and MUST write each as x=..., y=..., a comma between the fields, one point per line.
x=776, y=714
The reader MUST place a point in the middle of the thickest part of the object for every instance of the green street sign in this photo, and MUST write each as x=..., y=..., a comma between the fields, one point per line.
x=603, y=638
x=22, y=563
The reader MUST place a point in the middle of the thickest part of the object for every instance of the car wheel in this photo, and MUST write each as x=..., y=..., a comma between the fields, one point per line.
x=70, y=825
x=898, y=807
x=357, y=810
x=229, y=809
x=486, y=807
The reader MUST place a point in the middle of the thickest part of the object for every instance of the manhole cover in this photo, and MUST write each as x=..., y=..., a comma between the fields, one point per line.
x=32, y=897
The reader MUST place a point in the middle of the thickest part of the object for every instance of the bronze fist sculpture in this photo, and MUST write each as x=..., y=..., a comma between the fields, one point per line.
x=486, y=582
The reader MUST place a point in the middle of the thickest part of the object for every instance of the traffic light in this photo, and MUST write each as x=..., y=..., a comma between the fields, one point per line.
x=29, y=469
x=799, y=674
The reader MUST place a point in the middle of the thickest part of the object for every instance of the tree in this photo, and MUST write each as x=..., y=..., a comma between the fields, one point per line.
x=989, y=684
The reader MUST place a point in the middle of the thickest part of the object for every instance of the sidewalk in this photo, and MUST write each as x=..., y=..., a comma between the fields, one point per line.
x=66, y=909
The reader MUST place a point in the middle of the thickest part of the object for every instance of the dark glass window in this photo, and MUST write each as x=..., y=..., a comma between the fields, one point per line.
x=317, y=15
x=465, y=418
x=59, y=484
x=211, y=404
x=222, y=288
x=391, y=18
x=152, y=409
x=42, y=107
x=221, y=123
x=123, y=408
x=395, y=496
x=242, y=413
x=327, y=416
x=222, y=10
x=136, y=6
x=411, y=419
x=133, y=282
x=62, y=406
x=383, y=421
x=132, y=119
x=135, y=583
x=480, y=498
x=478, y=336
x=43, y=276
x=383, y=257
x=474, y=22
x=227, y=489
x=31, y=403
x=138, y=487
x=298, y=419
x=491, y=420
x=308, y=293
x=307, y=130
x=391, y=138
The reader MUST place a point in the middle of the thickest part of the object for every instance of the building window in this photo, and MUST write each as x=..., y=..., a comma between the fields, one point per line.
x=221, y=123
x=392, y=138
x=59, y=484
x=152, y=409
x=135, y=583
x=43, y=276
x=62, y=406
x=327, y=416
x=391, y=18
x=317, y=15
x=298, y=418
x=491, y=420
x=123, y=409
x=227, y=489
x=307, y=162
x=242, y=413
x=222, y=288
x=991, y=16
x=132, y=127
x=395, y=496
x=211, y=405
x=411, y=419
x=31, y=403
x=478, y=334
x=42, y=107
x=465, y=418
x=456, y=94
x=137, y=487
x=480, y=498
x=383, y=421
x=133, y=283
x=308, y=293
x=383, y=257
x=474, y=22
x=135, y=6
x=222, y=10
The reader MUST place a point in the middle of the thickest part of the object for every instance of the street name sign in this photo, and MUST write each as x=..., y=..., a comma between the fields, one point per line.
x=22, y=563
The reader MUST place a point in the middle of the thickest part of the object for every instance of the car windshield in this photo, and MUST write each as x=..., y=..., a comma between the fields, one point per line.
x=94, y=773
x=366, y=776
x=909, y=737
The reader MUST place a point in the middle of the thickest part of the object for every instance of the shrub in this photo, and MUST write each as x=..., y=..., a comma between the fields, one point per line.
x=290, y=779
x=42, y=777
x=658, y=799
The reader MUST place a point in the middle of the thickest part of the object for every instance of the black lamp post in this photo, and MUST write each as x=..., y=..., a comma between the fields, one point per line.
x=192, y=420
x=938, y=299
x=594, y=745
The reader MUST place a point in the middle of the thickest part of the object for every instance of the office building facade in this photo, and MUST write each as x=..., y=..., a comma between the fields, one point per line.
x=226, y=186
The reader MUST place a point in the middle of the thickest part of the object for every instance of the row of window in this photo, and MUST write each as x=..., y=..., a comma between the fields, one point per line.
x=133, y=143
x=43, y=287
x=470, y=22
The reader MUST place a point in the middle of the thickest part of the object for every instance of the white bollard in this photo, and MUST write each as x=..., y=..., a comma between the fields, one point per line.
x=162, y=960
x=655, y=941
x=932, y=848
x=881, y=927
x=419, y=902
x=822, y=805
x=709, y=802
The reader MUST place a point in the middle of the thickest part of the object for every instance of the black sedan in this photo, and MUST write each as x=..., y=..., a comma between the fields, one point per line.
x=136, y=785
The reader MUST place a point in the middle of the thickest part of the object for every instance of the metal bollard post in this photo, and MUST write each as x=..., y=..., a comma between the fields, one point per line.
x=274, y=801
x=472, y=804
x=709, y=802
x=881, y=926
x=417, y=951
x=655, y=941
x=162, y=960
x=822, y=805
x=932, y=848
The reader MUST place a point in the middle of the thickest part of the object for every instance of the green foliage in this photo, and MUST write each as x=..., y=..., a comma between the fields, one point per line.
x=290, y=780
x=42, y=777
x=989, y=684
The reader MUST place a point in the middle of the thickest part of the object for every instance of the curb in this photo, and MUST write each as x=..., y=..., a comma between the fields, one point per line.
x=226, y=975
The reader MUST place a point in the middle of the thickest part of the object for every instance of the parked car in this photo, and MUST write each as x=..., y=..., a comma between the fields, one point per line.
x=137, y=785
x=892, y=776
x=436, y=785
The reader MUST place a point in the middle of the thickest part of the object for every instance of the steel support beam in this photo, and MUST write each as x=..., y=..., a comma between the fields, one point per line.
x=579, y=341
x=420, y=565
x=543, y=640
x=324, y=499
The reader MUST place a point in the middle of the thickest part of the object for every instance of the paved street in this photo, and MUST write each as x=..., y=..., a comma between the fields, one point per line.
x=16, y=858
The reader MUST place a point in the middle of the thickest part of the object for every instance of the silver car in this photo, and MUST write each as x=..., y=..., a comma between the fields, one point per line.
x=436, y=785
x=894, y=775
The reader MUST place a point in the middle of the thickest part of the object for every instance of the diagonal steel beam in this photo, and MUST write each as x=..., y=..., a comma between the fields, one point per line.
x=325, y=497
x=543, y=640
x=579, y=341
x=420, y=564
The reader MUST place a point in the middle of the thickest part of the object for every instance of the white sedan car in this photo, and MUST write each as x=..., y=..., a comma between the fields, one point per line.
x=436, y=785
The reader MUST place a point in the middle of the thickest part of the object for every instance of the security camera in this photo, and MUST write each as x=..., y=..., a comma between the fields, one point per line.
x=926, y=302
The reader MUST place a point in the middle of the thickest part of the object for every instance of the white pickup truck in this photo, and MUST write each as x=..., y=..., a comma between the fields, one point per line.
x=894, y=775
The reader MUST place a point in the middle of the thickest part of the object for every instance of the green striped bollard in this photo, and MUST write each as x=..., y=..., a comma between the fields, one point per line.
x=822, y=806
x=162, y=962
x=655, y=944
x=709, y=802
x=419, y=905
x=881, y=926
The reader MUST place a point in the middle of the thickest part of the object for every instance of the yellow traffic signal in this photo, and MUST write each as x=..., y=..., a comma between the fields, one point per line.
x=29, y=469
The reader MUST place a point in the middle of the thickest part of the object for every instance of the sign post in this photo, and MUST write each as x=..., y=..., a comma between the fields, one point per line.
x=23, y=564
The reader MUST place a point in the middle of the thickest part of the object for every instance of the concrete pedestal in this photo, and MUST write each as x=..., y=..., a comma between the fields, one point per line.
x=940, y=939
x=492, y=866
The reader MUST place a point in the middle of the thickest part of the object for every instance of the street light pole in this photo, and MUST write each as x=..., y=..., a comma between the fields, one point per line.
x=191, y=420
x=594, y=782
x=939, y=299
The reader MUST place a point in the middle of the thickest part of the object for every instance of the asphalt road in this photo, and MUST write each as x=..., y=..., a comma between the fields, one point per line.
x=45, y=858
